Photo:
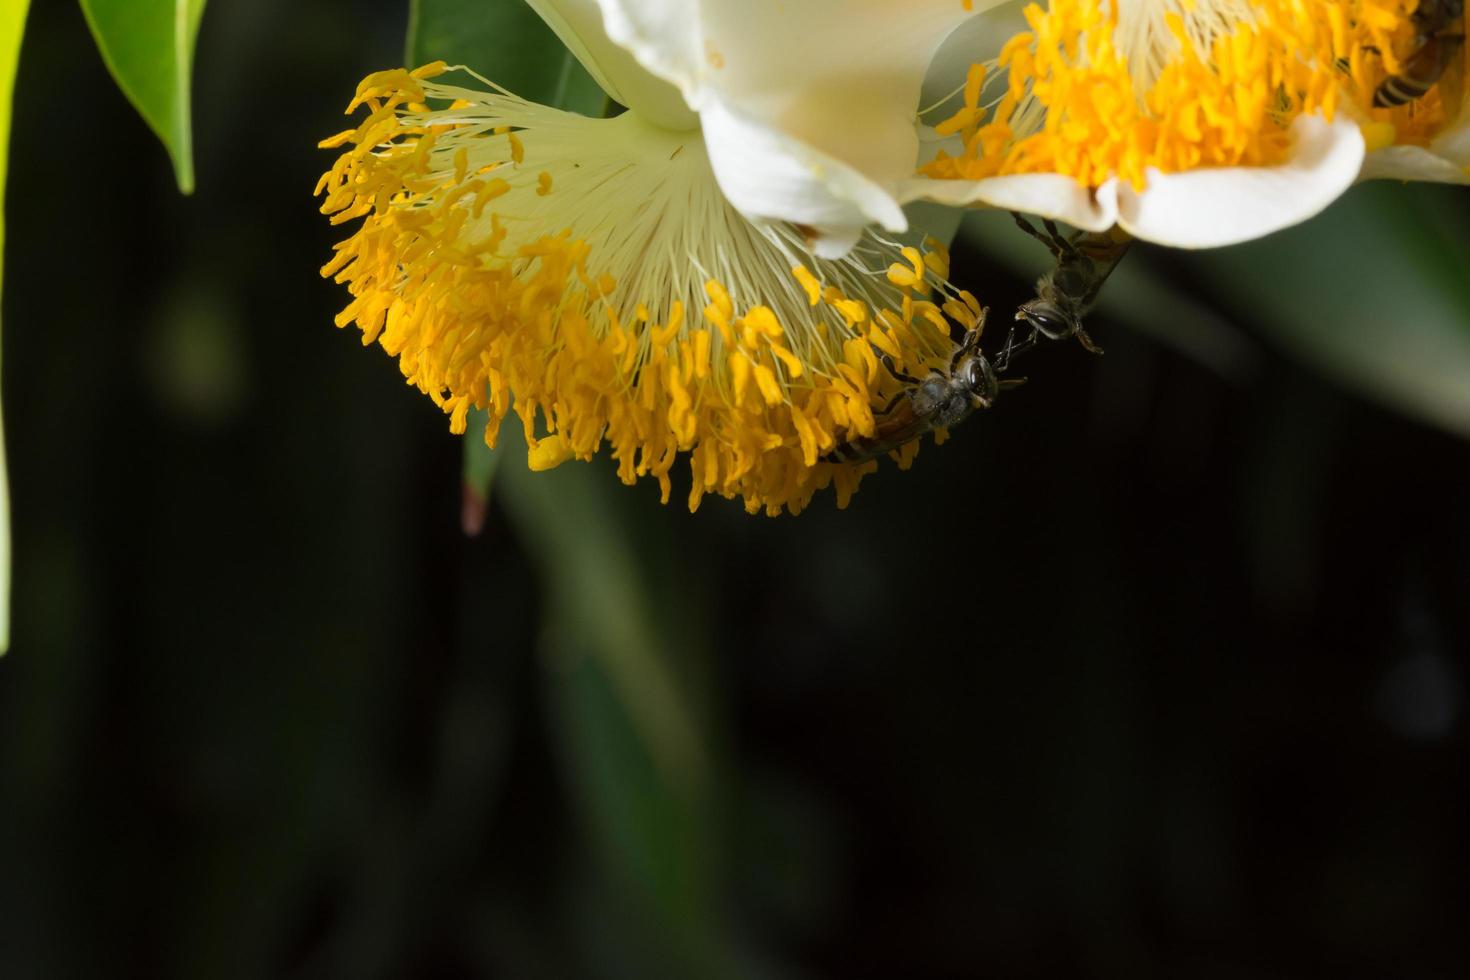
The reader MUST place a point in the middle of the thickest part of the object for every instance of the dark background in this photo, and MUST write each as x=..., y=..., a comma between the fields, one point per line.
x=1156, y=670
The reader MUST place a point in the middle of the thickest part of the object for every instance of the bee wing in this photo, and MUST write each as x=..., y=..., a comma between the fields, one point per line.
x=891, y=432
x=1104, y=261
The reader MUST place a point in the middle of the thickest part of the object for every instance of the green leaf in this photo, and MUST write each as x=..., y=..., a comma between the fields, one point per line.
x=12, y=26
x=148, y=46
x=1373, y=292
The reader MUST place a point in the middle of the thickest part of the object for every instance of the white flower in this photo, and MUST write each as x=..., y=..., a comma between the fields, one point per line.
x=807, y=108
x=1192, y=123
x=697, y=279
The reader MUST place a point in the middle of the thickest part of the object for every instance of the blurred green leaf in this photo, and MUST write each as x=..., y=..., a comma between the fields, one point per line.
x=1374, y=292
x=636, y=745
x=148, y=46
x=12, y=26
x=480, y=463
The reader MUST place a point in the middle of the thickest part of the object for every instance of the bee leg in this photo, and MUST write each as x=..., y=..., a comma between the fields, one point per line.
x=1012, y=349
x=892, y=403
x=897, y=374
x=1030, y=229
x=1027, y=227
x=1087, y=342
x=969, y=345
x=1051, y=229
x=1010, y=383
x=1061, y=246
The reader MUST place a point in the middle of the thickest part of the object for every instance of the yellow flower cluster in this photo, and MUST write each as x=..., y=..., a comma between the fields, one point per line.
x=1095, y=93
x=587, y=274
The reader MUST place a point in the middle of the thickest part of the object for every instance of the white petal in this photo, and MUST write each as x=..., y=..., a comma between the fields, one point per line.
x=579, y=24
x=1412, y=163
x=663, y=35
x=830, y=85
x=1454, y=143
x=769, y=176
x=1048, y=195
x=1224, y=205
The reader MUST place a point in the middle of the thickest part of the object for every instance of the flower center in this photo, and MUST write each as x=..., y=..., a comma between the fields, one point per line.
x=1097, y=90
x=589, y=274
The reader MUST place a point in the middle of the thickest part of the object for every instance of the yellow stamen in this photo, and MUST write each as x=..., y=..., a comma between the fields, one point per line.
x=1110, y=89
x=576, y=309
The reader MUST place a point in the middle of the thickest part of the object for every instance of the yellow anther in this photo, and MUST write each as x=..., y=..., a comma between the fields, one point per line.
x=765, y=380
x=662, y=335
x=739, y=374
x=901, y=275
x=885, y=343
x=974, y=83
x=720, y=310
x=794, y=367
x=915, y=259
x=763, y=320
x=701, y=354
x=548, y=453
x=809, y=283
x=937, y=260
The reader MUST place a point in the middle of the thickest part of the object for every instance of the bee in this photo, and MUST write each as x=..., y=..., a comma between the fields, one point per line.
x=1068, y=291
x=1439, y=43
x=939, y=401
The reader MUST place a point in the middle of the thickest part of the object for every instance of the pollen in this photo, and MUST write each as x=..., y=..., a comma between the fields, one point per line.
x=1097, y=90
x=629, y=310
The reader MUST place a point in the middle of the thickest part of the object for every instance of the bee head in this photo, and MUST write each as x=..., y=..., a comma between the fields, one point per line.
x=979, y=380
x=1047, y=318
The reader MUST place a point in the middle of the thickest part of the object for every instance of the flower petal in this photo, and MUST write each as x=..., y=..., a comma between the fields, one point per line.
x=1412, y=163
x=663, y=35
x=834, y=85
x=1049, y=195
x=768, y=175
x=1454, y=143
x=1218, y=206
x=579, y=24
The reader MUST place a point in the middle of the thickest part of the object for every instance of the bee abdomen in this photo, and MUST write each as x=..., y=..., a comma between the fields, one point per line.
x=1399, y=91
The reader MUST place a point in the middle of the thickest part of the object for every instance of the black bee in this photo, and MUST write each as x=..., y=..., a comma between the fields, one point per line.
x=1439, y=44
x=1068, y=291
x=939, y=401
